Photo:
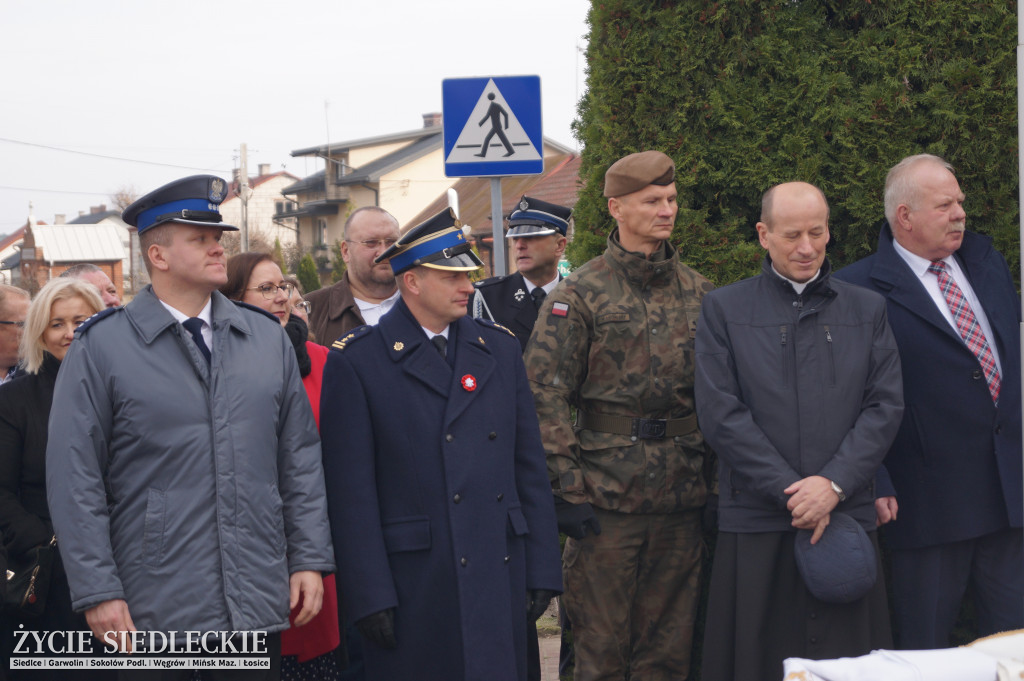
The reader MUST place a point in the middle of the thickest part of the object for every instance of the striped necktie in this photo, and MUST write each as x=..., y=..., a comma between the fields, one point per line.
x=967, y=324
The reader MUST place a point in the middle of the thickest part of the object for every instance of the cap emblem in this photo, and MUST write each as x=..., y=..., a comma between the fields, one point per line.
x=216, y=190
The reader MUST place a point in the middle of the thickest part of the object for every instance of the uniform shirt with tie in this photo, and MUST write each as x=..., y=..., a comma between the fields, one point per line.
x=206, y=315
x=539, y=292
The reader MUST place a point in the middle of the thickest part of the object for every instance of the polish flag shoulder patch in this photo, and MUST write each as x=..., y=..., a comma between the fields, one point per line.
x=560, y=309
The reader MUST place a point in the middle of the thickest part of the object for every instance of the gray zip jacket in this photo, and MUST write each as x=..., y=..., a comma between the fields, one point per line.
x=789, y=386
x=190, y=491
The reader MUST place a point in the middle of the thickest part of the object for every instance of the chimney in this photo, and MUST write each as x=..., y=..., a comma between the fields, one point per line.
x=264, y=169
x=58, y=219
x=95, y=210
x=81, y=213
x=432, y=120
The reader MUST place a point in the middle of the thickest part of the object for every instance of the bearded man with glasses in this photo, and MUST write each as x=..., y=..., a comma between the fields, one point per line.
x=367, y=290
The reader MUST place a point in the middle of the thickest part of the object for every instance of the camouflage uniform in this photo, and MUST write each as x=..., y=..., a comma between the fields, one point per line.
x=615, y=338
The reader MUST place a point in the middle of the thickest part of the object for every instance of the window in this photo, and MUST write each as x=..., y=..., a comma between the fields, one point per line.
x=321, y=234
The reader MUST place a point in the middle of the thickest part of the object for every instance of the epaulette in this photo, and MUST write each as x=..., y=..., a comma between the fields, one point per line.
x=490, y=281
x=102, y=314
x=353, y=335
x=248, y=306
x=494, y=325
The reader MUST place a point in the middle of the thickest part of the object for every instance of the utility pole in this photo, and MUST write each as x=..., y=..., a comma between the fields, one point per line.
x=243, y=195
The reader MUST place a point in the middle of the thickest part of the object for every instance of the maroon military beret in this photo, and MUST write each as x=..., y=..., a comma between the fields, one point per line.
x=636, y=171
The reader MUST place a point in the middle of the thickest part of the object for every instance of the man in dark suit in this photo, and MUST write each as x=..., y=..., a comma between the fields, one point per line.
x=438, y=491
x=955, y=466
x=537, y=230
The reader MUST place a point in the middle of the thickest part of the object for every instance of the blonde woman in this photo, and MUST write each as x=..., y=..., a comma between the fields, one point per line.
x=58, y=309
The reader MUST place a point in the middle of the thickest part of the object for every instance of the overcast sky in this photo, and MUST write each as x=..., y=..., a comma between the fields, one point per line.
x=183, y=83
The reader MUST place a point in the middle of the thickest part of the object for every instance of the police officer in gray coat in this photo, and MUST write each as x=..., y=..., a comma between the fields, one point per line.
x=184, y=474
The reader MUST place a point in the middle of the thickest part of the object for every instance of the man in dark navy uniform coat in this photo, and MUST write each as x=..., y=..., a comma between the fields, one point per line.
x=537, y=230
x=437, y=486
x=951, y=482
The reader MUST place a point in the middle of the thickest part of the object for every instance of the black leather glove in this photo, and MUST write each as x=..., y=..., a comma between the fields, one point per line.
x=710, y=517
x=537, y=601
x=575, y=519
x=380, y=628
x=298, y=334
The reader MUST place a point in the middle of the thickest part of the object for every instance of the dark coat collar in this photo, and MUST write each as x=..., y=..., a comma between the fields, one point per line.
x=406, y=343
x=150, y=318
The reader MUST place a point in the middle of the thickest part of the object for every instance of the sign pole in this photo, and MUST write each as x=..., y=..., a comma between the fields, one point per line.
x=498, y=229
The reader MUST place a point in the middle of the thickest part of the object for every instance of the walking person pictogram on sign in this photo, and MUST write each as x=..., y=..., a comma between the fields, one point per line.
x=494, y=113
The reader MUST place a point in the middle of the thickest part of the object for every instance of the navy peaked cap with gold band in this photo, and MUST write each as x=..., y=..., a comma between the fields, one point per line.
x=438, y=243
x=191, y=200
x=534, y=217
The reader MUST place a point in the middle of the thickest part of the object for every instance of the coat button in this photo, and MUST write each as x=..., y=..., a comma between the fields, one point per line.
x=464, y=561
x=508, y=558
x=976, y=375
x=501, y=495
x=457, y=498
x=449, y=437
x=492, y=435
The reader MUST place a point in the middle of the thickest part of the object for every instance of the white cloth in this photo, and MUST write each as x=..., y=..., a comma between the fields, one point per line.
x=372, y=312
x=1008, y=650
x=955, y=664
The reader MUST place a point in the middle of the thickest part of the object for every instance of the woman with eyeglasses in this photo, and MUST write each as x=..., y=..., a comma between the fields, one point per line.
x=300, y=306
x=58, y=309
x=254, y=278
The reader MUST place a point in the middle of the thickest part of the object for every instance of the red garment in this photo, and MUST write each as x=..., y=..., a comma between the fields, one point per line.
x=320, y=635
x=318, y=358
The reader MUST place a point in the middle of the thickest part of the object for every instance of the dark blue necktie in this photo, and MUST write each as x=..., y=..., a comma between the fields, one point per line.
x=194, y=326
x=538, y=296
x=441, y=343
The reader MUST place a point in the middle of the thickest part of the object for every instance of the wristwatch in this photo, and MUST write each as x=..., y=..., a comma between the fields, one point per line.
x=838, y=490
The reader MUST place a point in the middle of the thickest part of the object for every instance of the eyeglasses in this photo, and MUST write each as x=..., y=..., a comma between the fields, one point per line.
x=374, y=244
x=269, y=291
x=304, y=305
x=20, y=325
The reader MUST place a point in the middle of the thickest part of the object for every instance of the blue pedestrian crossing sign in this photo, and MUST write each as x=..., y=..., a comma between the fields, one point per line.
x=492, y=126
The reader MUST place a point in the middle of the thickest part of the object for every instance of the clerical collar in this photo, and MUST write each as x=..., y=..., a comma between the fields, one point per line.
x=798, y=287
